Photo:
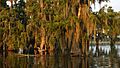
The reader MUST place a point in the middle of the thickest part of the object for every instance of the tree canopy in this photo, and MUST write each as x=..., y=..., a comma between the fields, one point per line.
x=64, y=24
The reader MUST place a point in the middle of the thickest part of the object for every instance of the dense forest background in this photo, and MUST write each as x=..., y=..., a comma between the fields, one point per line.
x=65, y=26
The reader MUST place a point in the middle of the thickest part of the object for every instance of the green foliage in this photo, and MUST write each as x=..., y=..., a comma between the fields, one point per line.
x=3, y=3
x=50, y=19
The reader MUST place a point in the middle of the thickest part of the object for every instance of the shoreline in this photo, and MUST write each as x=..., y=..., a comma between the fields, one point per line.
x=105, y=42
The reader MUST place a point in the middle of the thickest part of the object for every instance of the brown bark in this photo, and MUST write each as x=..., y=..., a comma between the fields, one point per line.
x=42, y=45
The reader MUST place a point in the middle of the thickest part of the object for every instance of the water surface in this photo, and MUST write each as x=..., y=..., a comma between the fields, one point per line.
x=104, y=60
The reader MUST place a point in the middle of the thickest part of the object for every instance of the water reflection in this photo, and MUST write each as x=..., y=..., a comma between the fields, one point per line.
x=15, y=61
x=109, y=60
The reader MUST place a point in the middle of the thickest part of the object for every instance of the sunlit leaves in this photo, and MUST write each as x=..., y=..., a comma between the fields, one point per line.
x=51, y=18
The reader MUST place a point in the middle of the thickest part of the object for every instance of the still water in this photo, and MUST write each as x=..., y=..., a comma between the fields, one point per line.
x=104, y=60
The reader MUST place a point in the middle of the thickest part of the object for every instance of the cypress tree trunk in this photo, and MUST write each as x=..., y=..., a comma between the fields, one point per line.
x=83, y=14
x=42, y=45
x=112, y=44
x=97, y=46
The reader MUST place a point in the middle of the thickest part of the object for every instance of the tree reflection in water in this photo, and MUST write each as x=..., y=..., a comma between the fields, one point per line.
x=12, y=60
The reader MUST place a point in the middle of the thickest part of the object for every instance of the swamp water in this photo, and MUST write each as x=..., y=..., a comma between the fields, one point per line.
x=106, y=59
